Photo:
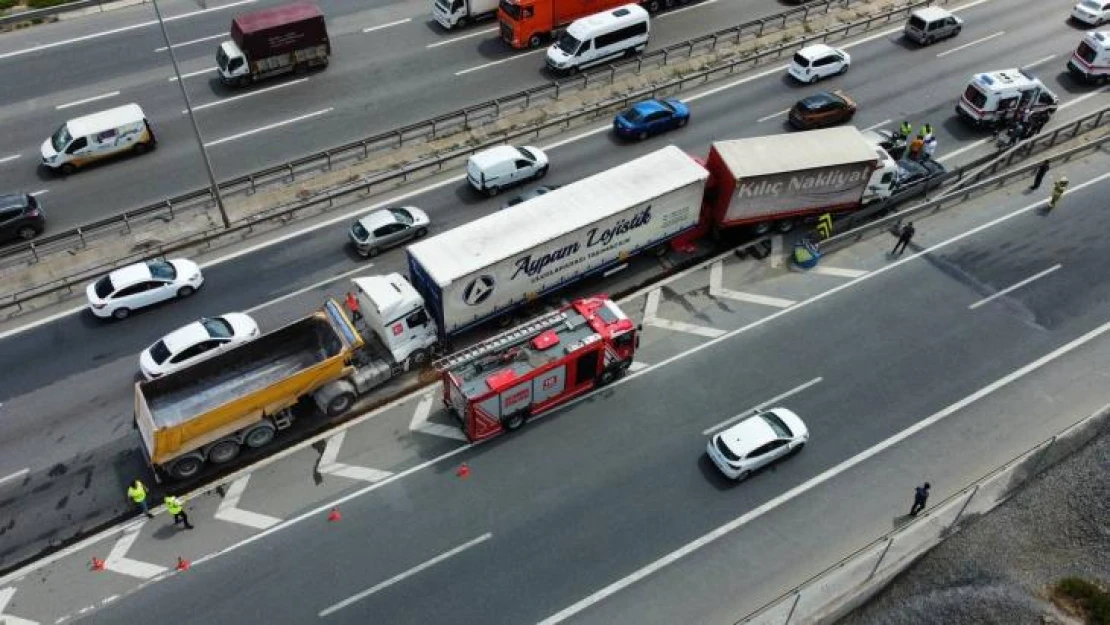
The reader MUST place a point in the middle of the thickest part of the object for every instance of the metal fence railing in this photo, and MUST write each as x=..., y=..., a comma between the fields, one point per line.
x=13, y=303
x=38, y=14
x=845, y=585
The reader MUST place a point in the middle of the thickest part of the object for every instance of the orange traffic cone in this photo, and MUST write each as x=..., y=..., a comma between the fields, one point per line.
x=464, y=471
x=182, y=564
x=334, y=515
x=97, y=564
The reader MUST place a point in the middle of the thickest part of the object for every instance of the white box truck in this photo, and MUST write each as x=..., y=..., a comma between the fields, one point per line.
x=458, y=13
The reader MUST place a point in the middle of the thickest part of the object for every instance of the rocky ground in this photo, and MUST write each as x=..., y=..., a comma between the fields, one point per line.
x=1000, y=569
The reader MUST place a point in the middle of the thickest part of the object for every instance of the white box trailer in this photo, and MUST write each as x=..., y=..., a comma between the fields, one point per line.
x=492, y=265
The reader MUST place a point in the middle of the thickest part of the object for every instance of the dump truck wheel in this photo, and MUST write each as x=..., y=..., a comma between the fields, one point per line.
x=259, y=436
x=336, y=398
x=223, y=451
x=186, y=467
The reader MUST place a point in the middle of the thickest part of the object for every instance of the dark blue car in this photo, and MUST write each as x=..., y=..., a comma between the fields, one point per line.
x=651, y=117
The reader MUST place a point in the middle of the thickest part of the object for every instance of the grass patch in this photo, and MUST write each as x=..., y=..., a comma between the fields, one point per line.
x=1079, y=595
x=7, y=4
x=42, y=4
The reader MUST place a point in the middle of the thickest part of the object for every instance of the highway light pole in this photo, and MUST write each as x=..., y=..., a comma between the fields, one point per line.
x=196, y=129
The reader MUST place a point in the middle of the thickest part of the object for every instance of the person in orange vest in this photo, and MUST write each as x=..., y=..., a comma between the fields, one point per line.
x=916, y=146
x=352, y=305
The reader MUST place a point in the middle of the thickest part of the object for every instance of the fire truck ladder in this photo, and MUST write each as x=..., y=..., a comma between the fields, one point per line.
x=509, y=338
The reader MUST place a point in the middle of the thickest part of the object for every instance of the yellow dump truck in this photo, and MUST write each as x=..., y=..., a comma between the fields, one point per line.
x=208, y=412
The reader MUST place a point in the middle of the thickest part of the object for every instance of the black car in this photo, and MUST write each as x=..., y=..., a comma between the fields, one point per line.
x=21, y=217
x=527, y=195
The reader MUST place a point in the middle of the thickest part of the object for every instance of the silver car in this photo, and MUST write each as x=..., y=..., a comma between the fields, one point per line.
x=386, y=227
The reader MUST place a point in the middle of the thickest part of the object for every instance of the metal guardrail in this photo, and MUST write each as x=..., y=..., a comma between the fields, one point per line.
x=167, y=209
x=38, y=14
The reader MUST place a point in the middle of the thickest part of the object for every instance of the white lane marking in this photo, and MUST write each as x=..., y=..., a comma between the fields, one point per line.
x=770, y=403
x=691, y=7
x=492, y=63
x=191, y=74
x=39, y=192
x=254, y=131
x=409, y=573
x=637, y=365
x=419, y=421
x=311, y=287
x=650, y=319
x=971, y=43
x=330, y=465
x=229, y=508
x=716, y=274
x=1015, y=286
x=6, y=595
x=467, y=36
x=122, y=29
x=5, y=159
x=1038, y=62
x=874, y=126
x=772, y=116
x=817, y=480
x=191, y=42
x=254, y=92
x=103, y=96
x=14, y=476
x=381, y=26
x=118, y=561
x=839, y=272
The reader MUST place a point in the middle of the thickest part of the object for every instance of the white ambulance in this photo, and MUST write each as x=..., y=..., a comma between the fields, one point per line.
x=1091, y=60
x=83, y=140
x=993, y=98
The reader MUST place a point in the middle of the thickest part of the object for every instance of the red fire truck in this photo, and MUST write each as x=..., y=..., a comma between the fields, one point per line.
x=496, y=385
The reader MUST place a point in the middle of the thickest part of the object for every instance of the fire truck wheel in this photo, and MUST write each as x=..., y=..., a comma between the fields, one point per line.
x=515, y=420
x=186, y=467
x=606, y=377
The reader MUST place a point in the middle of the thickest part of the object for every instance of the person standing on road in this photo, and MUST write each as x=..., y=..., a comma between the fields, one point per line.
x=137, y=494
x=352, y=305
x=916, y=146
x=906, y=130
x=903, y=239
x=930, y=147
x=920, y=497
x=1058, y=192
x=1038, y=175
x=177, y=508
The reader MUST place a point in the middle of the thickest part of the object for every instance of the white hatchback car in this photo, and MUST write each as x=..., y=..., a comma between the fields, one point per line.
x=1092, y=12
x=142, y=284
x=195, y=342
x=756, y=442
x=812, y=63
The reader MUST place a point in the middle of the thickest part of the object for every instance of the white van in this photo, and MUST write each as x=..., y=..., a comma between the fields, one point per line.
x=83, y=140
x=1091, y=59
x=599, y=37
x=931, y=24
x=992, y=98
x=501, y=167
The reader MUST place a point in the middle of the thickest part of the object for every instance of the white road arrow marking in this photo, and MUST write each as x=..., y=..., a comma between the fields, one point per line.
x=118, y=561
x=716, y=290
x=7, y=619
x=652, y=305
x=229, y=508
x=331, y=467
x=420, y=422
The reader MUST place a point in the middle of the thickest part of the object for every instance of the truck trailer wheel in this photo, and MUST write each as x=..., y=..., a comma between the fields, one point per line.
x=336, y=398
x=223, y=451
x=260, y=435
x=186, y=467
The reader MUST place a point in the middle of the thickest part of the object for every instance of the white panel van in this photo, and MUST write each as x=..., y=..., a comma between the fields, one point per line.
x=83, y=140
x=599, y=38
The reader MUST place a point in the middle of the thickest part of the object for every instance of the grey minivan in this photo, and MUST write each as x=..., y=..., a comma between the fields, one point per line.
x=387, y=227
x=932, y=24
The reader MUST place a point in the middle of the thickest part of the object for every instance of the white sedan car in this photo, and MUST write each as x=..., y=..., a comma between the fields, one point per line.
x=142, y=284
x=812, y=63
x=1092, y=12
x=195, y=342
x=756, y=442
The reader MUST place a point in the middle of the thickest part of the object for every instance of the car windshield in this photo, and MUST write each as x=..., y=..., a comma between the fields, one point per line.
x=402, y=216
x=917, y=23
x=217, y=328
x=777, y=425
x=1091, y=4
x=104, y=287
x=633, y=115
x=528, y=154
x=221, y=58
x=510, y=9
x=667, y=106
x=159, y=353
x=60, y=138
x=359, y=231
x=725, y=450
x=162, y=270
x=801, y=60
x=568, y=44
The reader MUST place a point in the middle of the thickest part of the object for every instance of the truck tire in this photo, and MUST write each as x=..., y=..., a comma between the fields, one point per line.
x=260, y=435
x=418, y=359
x=336, y=398
x=223, y=451
x=653, y=6
x=513, y=421
x=607, y=377
x=534, y=41
x=186, y=467
x=784, y=226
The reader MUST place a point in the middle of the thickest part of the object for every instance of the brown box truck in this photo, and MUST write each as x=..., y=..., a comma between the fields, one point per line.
x=273, y=41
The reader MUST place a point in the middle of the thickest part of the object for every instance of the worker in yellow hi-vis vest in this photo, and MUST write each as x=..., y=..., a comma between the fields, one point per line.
x=137, y=494
x=1058, y=190
x=177, y=508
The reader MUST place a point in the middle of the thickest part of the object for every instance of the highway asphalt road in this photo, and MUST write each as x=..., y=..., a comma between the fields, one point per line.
x=588, y=496
x=402, y=72
x=67, y=399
